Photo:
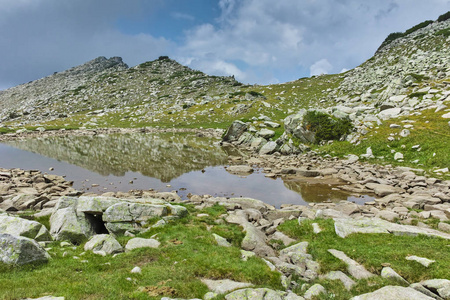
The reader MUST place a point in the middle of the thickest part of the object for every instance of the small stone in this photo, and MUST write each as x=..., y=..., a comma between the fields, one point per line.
x=314, y=291
x=136, y=270
x=316, y=228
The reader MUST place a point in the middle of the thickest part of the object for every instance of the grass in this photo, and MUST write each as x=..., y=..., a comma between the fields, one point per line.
x=188, y=253
x=430, y=131
x=370, y=250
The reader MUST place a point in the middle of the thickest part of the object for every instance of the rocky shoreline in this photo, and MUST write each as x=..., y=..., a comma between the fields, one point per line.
x=403, y=202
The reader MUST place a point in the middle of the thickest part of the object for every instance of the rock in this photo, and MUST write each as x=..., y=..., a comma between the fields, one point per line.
x=268, y=148
x=338, y=275
x=446, y=116
x=420, y=288
x=389, y=113
x=255, y=240
x=315, y=291
x=221, y=241
x=261, y=294
x=354, y=268
x=388, y=272
x=136, y=270
x=404, y=133
x=19, y=250
x=233, y=133
x=421, y=260
x=398, y=156
x=22, y=227
x=384, y=189
x=224, y=286
x=103, y=242
x=393, y=293
x=68, y=224
x=240, y=170
x=282, y=237
x=316, y=228
x=439, y=286
x=444, y=227
x=141, y=243
x=308, y=173
x=266, y=133
x=346, y=226
x=387, y=215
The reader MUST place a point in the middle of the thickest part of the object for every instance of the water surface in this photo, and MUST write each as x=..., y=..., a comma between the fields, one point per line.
x=183, y=162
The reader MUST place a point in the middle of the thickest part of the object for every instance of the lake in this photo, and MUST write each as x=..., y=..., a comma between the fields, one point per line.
x=184, y=162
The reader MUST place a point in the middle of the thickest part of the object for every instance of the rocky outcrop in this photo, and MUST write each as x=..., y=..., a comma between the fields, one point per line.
x=77, y=219
x=22, y=227
x=18, y=250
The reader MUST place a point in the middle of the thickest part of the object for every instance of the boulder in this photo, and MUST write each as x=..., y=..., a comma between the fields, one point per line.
x=384, y=189
x=355, y=269
x=338, y=275
x=67, y=224
x=262, y=294
x=224, y=286
x=439, y=286
x=141, y=243
x=315, y=291
x=266, y=133
x=103, y=243
x=393, y=293
x=233, y=132
x=21, y=250
x=268, y=148
x=22, y=227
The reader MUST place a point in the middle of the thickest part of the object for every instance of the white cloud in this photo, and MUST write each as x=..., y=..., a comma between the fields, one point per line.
x=320, y=67
x=289, y=37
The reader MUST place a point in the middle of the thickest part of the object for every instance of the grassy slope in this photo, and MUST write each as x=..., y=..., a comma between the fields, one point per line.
x=188, y=252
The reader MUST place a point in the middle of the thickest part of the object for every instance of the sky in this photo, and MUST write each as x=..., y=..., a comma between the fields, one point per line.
x=257, y=41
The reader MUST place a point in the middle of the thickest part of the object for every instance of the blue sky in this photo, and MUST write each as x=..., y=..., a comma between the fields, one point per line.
x=258, y=41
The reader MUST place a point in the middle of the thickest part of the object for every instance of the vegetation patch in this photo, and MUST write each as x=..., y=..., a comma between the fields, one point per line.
x=326, y=127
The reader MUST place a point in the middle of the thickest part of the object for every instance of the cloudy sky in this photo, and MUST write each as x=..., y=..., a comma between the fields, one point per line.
x=258, y=41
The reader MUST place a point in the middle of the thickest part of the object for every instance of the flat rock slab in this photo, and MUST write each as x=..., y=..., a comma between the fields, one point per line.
x=262, y=294
x=221, y=241
x=389, y=273
x=346, y=226
x=393, y=293
x=421, y=260
x=354, y=268
x=384, y=189
x=240, y=169
x=440, y=286
x=338, y=275
x=141, y=243
x=224, y=286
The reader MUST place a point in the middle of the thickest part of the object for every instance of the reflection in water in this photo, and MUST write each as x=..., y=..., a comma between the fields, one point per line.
x=161, y=156
x=190, y=164
x=315, y=192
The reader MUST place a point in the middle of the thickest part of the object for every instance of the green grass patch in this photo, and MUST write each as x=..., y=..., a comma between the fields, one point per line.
x=370, y=250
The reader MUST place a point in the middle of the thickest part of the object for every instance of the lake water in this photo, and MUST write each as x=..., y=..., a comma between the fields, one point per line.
x=184, y=162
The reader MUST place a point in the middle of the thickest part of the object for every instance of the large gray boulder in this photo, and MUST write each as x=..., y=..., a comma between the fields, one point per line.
x=68, y=224
x=393, y=293
x=236, y=129
x=20, y=250
x=22, y=227
x=262, y=294
x=103, y=244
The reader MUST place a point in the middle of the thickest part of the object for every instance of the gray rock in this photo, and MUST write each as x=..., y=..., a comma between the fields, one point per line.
x=19, y=250
x=338, y=275
x=421, y=260
x=389, y=273
x=261, y=294
x=315, y=291
x=346, y=226
x=255, y=240
x=221, y=241
x=354, y=268
x=46, y=298
x=384, y=189
x=22, y=227
x=224, y=286
x=420, y=288
x=233, y=133
x=242, y=169
x=141, y=243
x=393, y=293
x=268, y=148
x=439, y=286
x=103, y=242
x=67, y=224
x=266, y=133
